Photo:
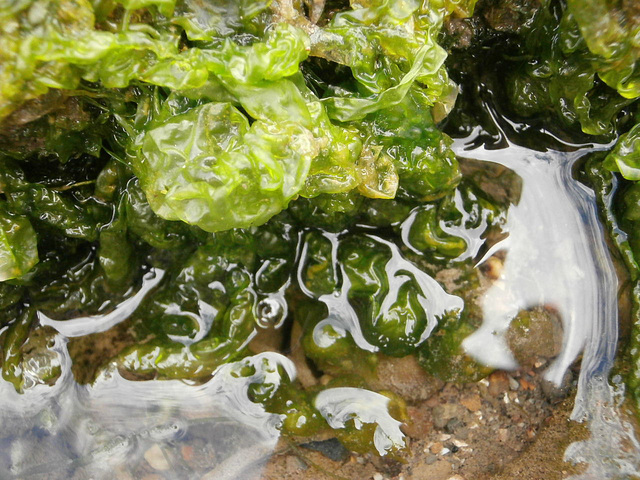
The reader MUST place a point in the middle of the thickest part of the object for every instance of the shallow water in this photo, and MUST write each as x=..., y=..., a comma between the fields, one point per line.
x=556, y=256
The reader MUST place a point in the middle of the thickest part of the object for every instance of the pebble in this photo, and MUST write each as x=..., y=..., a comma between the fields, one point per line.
x=513, y=383
x=377, y=476
x=454, y=425
x=526, y=385
x=187, y=452
x=533, y=334
x=156, y=459
x=498, y=383
x=443, y=413
x=492, y=268
x=436, y=448
x=555, y=393
x=472, y=403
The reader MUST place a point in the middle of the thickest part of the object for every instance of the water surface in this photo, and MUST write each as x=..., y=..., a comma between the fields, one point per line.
x=555, y=256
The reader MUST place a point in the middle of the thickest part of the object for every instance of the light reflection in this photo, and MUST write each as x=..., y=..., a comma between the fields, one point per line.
x=344, y=405
x=556, y=255
x=72, y=431
x=78, y=327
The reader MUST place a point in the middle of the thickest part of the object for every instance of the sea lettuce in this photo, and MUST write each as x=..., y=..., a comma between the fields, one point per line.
x=611, y=37
x=263, y=166
x=209, y=167
x=246, y=56
x=18, y=245
x=579, y=63
x=625, y=156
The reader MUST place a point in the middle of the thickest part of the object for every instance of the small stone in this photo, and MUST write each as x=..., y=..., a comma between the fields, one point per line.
x=122, y=474
x=453, y=425
x=472, y=403
x=420, y=422
x=456, y=477
x=430, y=459
x=498, y=383
x=436, y=448
x=407, y=378
x=533, y=334
x=443, y=413
x=156, y=459
x=378, y=476
x=330, y=448
x=432, y=402
x=526, y=385
x=513, y=383
x=503, y=435
x=187, y=452
x=492, y=268
x=555, y=393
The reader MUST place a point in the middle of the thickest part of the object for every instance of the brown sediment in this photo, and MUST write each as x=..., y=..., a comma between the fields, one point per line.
x=88, y=353
x=509, y=425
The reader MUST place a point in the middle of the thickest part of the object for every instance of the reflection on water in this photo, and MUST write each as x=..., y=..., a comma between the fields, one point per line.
x=398, y=272
x=344, y=404
x=104, y=431
x=78, y=327
x=554, y=256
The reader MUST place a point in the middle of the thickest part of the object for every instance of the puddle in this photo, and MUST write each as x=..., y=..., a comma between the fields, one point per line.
x=555, y=256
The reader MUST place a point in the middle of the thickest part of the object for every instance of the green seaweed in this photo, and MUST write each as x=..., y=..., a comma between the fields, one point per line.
x=255, y=153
